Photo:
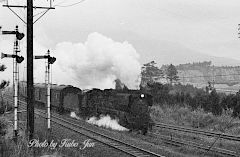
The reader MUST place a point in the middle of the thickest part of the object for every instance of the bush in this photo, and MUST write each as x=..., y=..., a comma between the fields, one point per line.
x=200, y=119
x=185, y=116
x=3, y=126
x=4, y=107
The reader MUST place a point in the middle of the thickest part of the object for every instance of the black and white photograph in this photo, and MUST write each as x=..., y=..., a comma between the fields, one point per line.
x=120, y=78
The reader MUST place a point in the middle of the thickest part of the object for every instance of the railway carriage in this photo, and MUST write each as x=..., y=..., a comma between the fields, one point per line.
x=63, y=97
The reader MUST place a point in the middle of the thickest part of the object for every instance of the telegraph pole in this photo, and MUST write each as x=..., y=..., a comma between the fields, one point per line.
x=30, y=87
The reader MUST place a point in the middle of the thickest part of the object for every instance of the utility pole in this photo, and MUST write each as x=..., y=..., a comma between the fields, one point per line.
x=30, y=87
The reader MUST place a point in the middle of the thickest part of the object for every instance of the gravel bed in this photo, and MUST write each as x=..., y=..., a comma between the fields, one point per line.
x=59, y=133
x=135, y=140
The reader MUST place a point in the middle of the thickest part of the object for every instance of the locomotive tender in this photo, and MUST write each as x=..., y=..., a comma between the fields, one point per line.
x=129, y=107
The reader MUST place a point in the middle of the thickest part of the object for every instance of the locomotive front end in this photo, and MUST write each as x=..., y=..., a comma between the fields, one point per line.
x=139, y=117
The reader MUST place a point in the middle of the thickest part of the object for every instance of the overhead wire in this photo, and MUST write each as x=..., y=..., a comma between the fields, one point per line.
x=42, y=13
x=60, y=2
x=69, y=5
x=39, y=13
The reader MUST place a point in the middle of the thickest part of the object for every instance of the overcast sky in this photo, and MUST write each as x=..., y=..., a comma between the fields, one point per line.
x=155, y=28
x=208, y=26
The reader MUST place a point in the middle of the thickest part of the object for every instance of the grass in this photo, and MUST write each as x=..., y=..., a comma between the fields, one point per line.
x=184, y=116
x=3, y=126
x=5, y=107
x=10, y=148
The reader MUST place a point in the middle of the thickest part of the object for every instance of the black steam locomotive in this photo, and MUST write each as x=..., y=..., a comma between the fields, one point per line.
x=129, y=107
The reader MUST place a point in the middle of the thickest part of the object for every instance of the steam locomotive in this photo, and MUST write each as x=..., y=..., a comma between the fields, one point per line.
x=129, y=107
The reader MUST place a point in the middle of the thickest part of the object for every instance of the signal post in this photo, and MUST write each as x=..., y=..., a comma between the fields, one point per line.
x=16, y=60
x=30, y=87
x=50, y=60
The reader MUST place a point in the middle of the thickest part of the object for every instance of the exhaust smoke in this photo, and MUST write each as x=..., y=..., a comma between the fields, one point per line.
x=107, y=122
x=97, y=63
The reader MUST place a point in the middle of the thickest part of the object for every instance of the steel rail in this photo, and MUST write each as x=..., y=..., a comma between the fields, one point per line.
x=176, y=141
x=110, y=141
x=180, y=142
x=198, y=131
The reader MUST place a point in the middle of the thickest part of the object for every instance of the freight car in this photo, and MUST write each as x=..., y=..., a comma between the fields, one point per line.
x=130, y=107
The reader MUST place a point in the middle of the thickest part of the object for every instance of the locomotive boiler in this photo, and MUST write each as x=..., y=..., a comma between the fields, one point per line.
x=131, y=108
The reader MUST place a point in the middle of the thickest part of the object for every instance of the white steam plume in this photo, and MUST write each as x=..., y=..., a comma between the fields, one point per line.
x=73, y=115
x=93, y=64
x=97, y=63
x=107, y=122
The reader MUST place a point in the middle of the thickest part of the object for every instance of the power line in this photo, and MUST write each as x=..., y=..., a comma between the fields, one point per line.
x=68, y=5
x=30, y=87
x=39, y=13
x=41, y=16
x=57, y=5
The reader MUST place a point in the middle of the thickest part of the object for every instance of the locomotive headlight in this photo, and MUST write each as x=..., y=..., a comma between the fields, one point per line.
x=142, y=95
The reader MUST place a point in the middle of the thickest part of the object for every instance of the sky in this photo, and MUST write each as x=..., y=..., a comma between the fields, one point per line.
x=208, y=26
x=173, y=31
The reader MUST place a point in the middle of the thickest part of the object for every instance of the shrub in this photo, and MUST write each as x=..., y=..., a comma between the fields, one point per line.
x=3, y=126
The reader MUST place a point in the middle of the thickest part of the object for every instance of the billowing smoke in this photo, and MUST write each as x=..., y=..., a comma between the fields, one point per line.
x=97, y=63
x=106, y=121
x=73, y=115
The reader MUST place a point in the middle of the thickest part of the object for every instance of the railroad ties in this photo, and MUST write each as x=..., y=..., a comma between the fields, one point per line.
x=180, y=142
x=102, y=138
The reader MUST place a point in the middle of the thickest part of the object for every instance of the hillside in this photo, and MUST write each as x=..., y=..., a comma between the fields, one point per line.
x=200, y=73
x=165, y=52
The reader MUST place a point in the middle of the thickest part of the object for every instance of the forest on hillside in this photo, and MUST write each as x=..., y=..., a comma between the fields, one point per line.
x=173, y=92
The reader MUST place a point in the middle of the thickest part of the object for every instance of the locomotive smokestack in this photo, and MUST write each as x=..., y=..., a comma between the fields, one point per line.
x=119, y=85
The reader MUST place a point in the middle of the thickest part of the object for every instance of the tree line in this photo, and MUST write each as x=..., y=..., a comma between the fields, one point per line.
x=172, y=92
x=151, y=73
x=188, y=95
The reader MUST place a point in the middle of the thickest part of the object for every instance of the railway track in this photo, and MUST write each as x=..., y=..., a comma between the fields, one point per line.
x=180, y=142
x=169, y=140
x=198, y=131
x=102, y=138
